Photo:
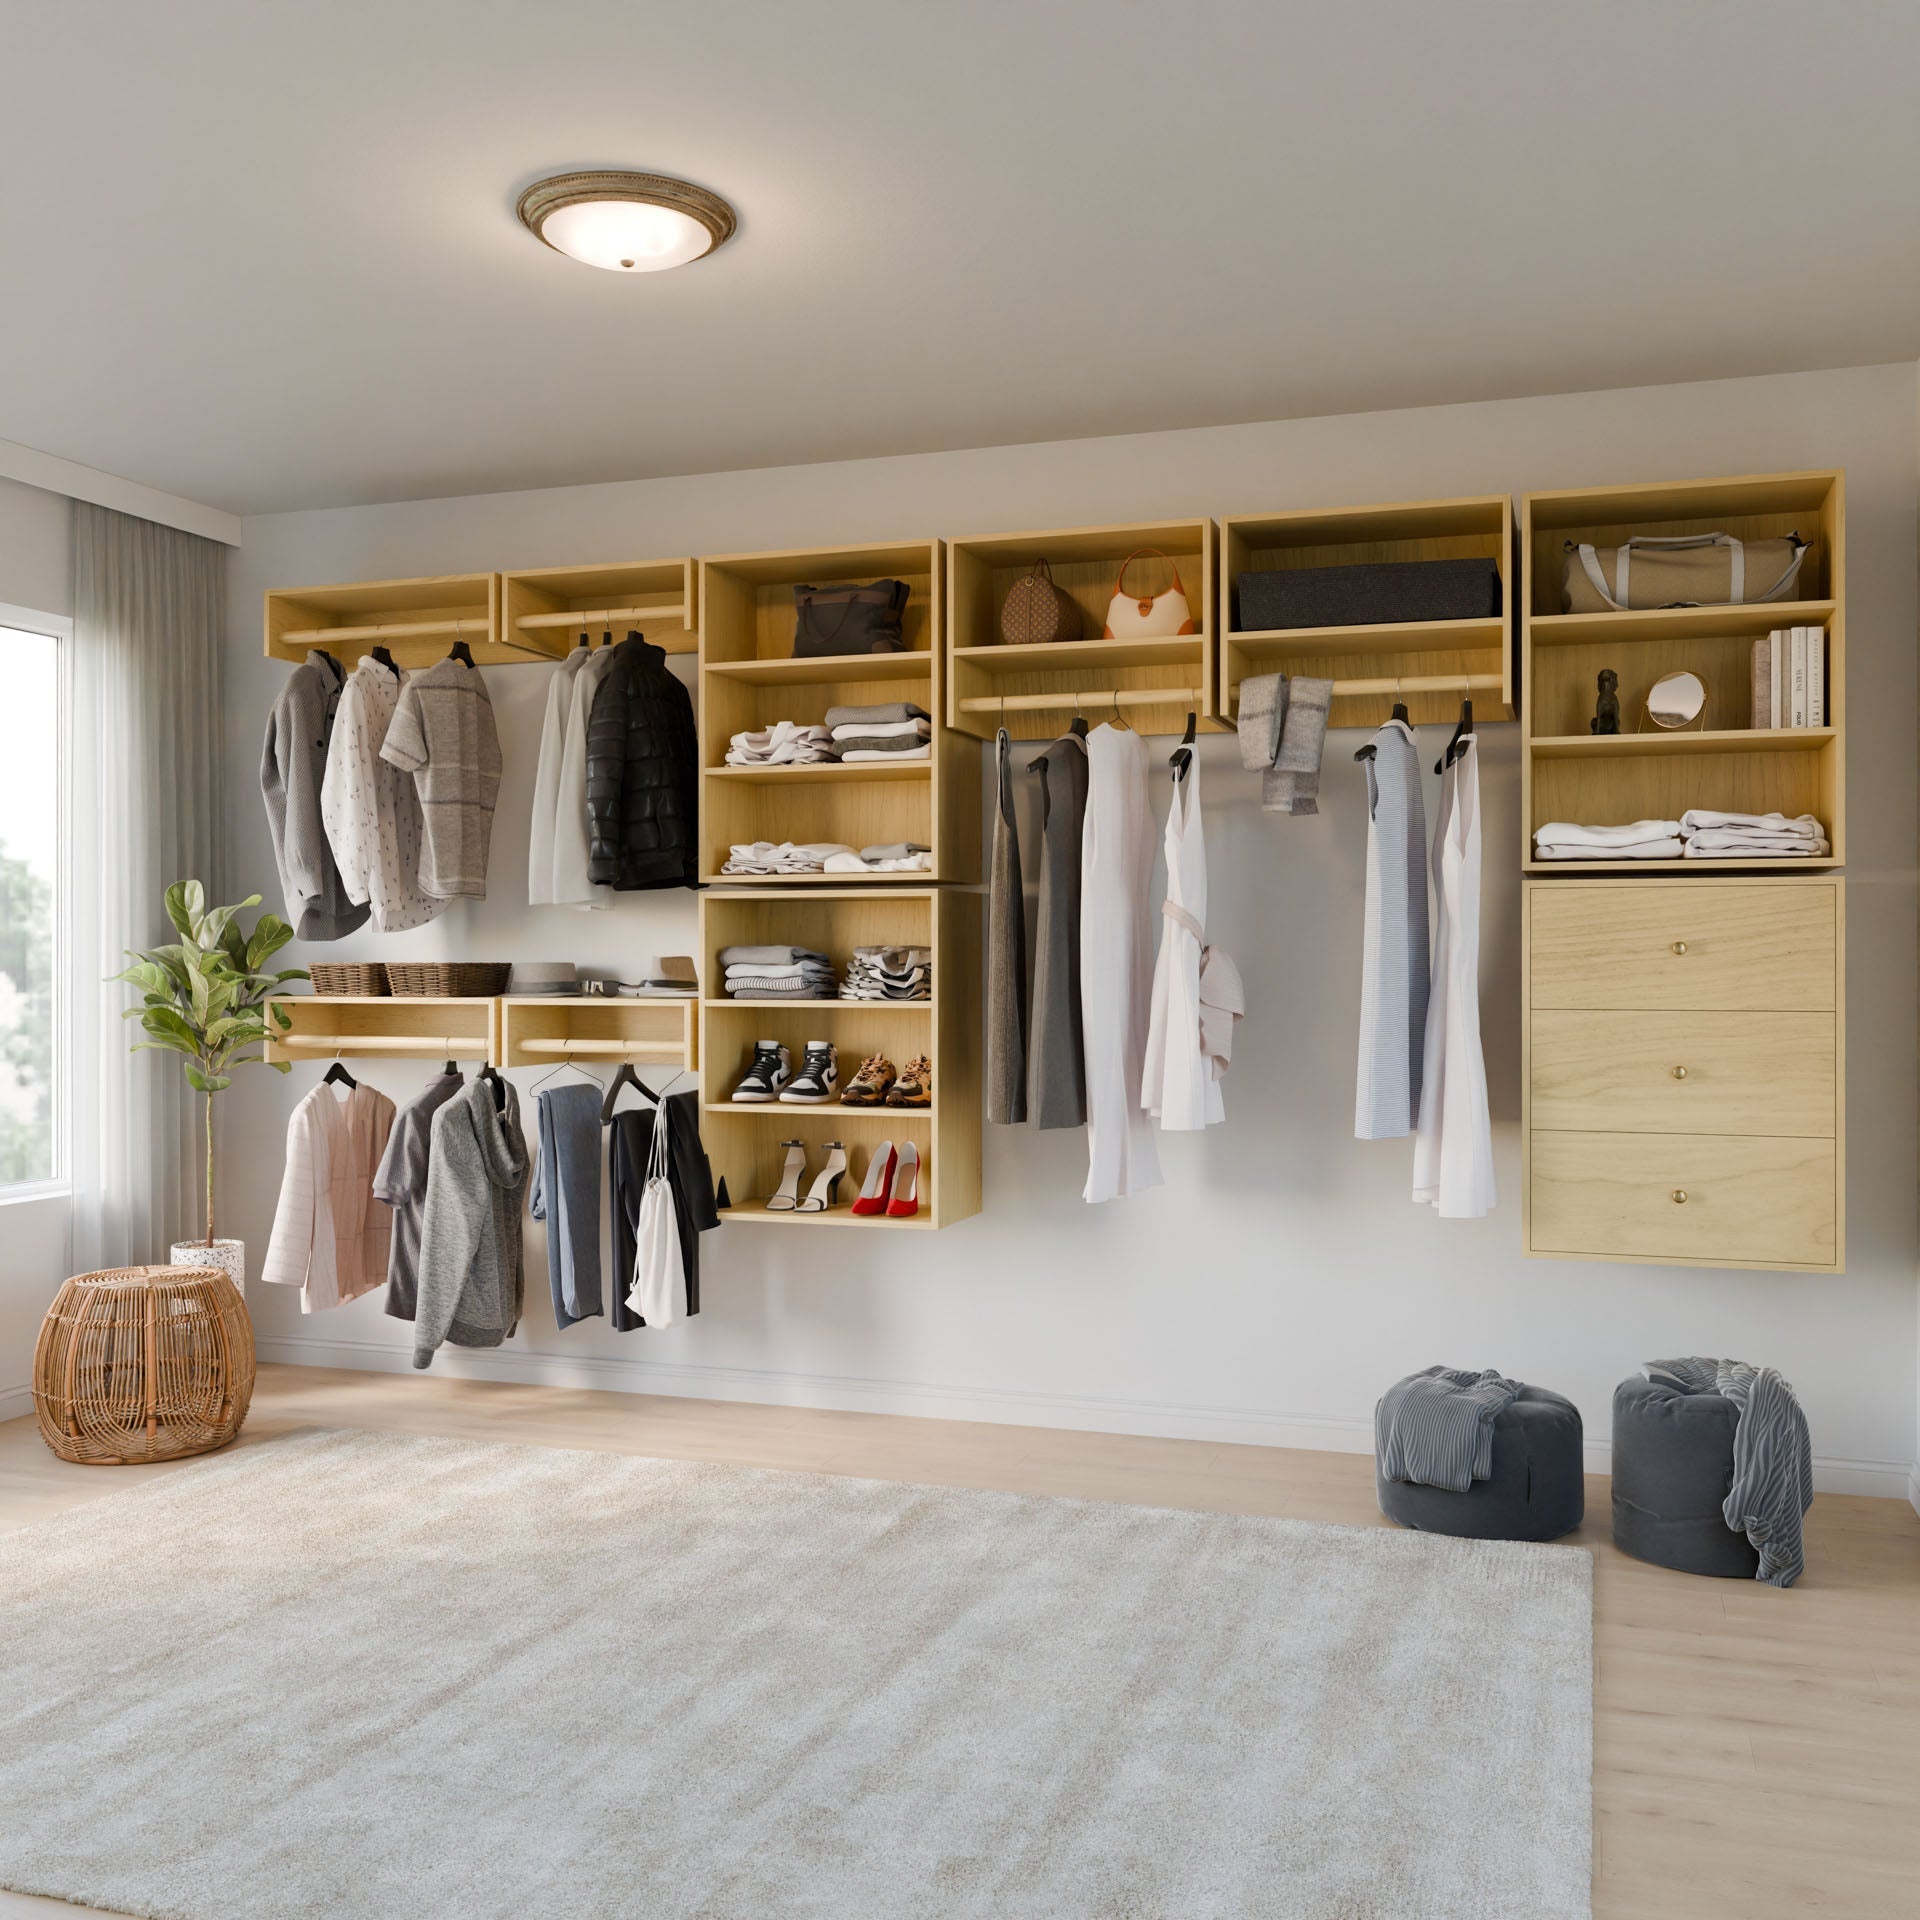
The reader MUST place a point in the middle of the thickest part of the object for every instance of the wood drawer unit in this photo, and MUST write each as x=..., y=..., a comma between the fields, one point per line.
x=1685, y=1071
x=1690, y=1072
x=1718, y=944
x=1712, y=1199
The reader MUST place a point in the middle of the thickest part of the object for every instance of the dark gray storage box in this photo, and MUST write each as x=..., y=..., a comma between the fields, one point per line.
x=1367, y=596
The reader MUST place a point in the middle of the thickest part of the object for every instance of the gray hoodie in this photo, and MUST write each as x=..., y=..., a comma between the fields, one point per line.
x=293, y=762
x=471, y=1274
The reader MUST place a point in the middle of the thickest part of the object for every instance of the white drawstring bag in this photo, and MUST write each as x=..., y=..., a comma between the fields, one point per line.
x=659, y=1291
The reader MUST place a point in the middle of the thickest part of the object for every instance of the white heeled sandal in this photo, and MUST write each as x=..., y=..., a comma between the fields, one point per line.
x=826, y=1183
x=786, y=1198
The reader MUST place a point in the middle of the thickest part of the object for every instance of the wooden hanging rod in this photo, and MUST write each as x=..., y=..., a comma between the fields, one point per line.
x=1419, y=683
x=1093, y=701
x=606, y=1049
x=455, y=1046
x=599, y=617
x=381, y=630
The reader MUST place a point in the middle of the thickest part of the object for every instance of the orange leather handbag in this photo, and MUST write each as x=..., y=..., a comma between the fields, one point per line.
x=1131, y=618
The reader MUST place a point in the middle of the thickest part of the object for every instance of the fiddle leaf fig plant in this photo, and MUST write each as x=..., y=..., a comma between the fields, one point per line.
x=205, y=995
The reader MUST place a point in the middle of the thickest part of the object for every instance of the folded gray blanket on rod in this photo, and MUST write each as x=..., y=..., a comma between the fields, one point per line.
x=1283, y=730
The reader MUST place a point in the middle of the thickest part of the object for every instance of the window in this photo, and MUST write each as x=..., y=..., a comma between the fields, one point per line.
x=32, y=1151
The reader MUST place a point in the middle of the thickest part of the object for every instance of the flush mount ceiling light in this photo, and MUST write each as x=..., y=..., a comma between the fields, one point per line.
x=626, y=222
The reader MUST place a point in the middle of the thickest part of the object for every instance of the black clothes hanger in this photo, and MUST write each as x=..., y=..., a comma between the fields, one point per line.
x=586, y=644
x=606, y=639
x=1399, y=713
x=1182, y=756
x=1077, y=726
x=386, y=660
x=337, y=1075
x=333, y=665
x=452, y=1067
x=462, y=652
x=624, y=1077
x=1462, y=731
x=499, y=1087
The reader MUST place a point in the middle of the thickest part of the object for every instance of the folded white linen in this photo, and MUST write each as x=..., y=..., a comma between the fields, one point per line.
x=886, y=730
x=795, y=970
x=1760, y=847
x=763, y=856
x=886, y=753
x=1706, y=820
x=783, y=744
x=852, y=862
x=1668, y=849
x=1568, y=833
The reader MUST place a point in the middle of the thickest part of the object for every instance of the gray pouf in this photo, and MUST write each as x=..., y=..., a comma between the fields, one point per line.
x=1536, y=1490
x=1672, y=1466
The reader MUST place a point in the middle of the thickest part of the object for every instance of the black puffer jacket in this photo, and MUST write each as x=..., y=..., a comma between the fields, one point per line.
x=642, y=778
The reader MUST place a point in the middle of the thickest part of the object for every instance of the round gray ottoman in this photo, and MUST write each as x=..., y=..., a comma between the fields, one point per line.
x=1535, y=1492
x=1672, y=1466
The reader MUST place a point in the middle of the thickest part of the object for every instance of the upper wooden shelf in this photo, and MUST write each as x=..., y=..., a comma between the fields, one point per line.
x=1676, y=623
x=1682, y=740
x=417, y=621
x=509, y=1030
x=389, y=1026
x=825, y=670
x=546, y=609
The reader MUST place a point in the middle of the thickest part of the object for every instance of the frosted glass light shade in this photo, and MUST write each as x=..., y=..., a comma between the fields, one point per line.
x=626, y=222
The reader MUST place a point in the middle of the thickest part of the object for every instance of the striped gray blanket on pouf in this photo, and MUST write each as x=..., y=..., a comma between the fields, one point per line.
x=1435, y=1428
x=1772, y=1457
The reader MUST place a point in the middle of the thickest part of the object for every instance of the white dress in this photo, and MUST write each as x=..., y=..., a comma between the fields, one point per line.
x=1453, y=1149
x=571, y=887
x=371, y=808
x=1116, y=964
x=1179, y=1088
x=546, y=779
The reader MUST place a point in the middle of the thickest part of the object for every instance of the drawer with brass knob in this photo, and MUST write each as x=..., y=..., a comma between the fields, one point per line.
x=1714, y=1199
x=1758, y=1073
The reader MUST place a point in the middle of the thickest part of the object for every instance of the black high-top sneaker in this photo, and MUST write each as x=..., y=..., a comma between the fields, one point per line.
x=770, y=1070
x=818, y=1080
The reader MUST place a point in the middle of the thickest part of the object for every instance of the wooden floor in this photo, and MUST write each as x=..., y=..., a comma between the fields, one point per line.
x=1755, y=1752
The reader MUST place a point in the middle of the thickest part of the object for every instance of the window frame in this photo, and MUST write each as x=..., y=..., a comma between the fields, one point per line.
x=57, y=627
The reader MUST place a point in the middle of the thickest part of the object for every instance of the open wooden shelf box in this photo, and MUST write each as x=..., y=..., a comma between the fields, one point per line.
x=1035, y=690
x=417, y=621
x=744, y=1142
x=527, y=1030
x=1643, y=773
x=750, y=679
x=547, y=609
x=1428, y=663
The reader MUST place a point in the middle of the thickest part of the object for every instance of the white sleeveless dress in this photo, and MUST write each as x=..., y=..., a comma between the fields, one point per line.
x=1179, y=1088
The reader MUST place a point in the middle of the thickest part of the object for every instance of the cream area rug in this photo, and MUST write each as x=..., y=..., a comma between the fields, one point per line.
x=361, y=1676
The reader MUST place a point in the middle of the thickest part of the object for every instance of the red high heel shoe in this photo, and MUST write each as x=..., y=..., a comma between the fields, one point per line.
x=904, y=1202
x=879, y=1181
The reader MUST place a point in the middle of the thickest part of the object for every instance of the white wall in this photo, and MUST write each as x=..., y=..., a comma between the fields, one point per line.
x=36, y=571
x=1282, y=1278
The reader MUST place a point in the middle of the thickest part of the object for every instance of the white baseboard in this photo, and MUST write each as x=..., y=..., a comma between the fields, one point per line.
x=1913, y=1486
x=15, y=1402
x=1242, y=1426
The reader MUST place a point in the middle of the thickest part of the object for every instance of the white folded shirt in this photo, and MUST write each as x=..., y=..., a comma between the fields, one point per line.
x=1763, y=846
x=1566, y=833
x=1669, y=849
x=852, y=862
x=762, y=856
x=1803, y=826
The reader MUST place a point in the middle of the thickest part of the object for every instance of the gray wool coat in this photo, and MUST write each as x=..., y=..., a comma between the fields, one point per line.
x=293, y=762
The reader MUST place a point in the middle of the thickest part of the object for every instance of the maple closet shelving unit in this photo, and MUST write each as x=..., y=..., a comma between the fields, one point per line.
x=417, y=621
x=1035, y=690
x=547, y=609
x=744, y=1139
x=1684, y=1024
x=1430, y=664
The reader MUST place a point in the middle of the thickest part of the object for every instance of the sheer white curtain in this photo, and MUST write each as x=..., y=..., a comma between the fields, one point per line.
x=148, y=607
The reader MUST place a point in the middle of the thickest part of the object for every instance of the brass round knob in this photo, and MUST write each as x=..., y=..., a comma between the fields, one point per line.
x=1679, y=946
x=1679, y=1073
x=1679, y=1196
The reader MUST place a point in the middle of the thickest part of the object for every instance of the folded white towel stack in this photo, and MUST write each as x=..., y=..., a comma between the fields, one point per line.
x=1713, y=835
x=763, y=856
x=1639, y=840
x=784, y=744
x=1669, y=849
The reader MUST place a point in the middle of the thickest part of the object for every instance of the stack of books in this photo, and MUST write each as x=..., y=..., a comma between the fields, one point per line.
x=1790, y=678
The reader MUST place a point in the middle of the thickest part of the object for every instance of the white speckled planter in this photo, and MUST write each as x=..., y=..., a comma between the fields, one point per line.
x=230, y=1256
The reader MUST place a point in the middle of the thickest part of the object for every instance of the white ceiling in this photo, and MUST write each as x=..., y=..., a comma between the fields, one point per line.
x=265, y=255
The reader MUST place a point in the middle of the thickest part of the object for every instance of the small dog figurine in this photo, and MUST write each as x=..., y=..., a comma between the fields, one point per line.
x=1606, y=713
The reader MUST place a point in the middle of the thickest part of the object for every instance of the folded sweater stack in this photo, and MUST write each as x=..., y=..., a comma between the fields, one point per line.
x=1642, y=840
x=1711, y=835
x=777, y=973
x=784, y=744
x=894, y=730
x=765, y=856
x=889, y=973
x=897, y=856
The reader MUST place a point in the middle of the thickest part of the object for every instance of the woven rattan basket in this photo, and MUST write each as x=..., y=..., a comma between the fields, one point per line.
x=143, y=1363
x=348, y=976
x=449, y=979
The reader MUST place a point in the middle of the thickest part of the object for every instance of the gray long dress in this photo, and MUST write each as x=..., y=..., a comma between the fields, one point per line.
x=1006, y=955
x=1056, y=1064
x=1393, y=975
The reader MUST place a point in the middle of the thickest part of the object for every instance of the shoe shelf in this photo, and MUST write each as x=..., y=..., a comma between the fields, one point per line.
x=1034, y=690
x=749, y=679
x=1428, y=663
x=546, y=609
x=538, y=1030
x=1641, y=773
x=381, y=1026
x=417, y=621
x=745, y=1139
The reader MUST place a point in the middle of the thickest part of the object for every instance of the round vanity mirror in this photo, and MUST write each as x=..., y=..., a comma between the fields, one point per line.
x=1676, y=700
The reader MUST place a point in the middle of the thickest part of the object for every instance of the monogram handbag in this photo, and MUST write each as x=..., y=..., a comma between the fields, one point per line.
x=1036, y=611
x=1681, y=570
x=830, y=620
x=1132, y=618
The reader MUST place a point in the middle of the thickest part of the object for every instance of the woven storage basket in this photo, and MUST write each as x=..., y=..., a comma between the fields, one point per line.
x=143, y=1363
x=448, y=979
x=348, y=976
